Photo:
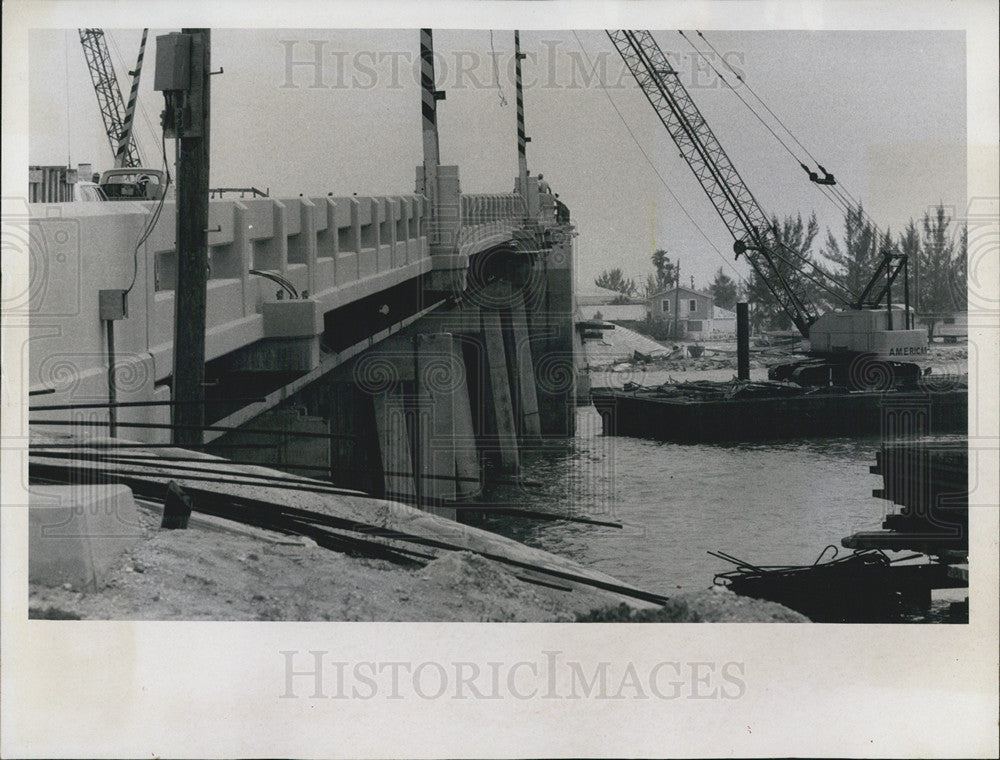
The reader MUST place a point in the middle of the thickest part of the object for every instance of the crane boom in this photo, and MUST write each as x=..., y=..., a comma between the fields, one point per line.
x=117, y=118
x=699, y=147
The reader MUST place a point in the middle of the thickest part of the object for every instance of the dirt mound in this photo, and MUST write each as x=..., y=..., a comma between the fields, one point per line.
x=473, y=572
x=713, y=605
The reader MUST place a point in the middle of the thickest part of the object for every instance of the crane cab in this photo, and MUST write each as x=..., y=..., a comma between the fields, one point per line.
x=868, y=331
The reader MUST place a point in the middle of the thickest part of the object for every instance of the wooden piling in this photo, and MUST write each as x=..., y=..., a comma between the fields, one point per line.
x=742, y=341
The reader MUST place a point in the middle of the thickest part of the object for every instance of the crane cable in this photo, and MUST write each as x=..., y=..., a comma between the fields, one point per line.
x=809, y=277
x=827, y=189
x=833, y=192
x=656, y=171
x=824, y=286
x=742, y=99
x=841, y=195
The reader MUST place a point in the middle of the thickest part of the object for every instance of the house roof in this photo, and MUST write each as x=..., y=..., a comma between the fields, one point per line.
x=682, y=289
x=593, y=294
x=719, y=313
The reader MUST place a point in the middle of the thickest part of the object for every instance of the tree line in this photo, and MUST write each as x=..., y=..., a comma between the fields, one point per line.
x=827, y=276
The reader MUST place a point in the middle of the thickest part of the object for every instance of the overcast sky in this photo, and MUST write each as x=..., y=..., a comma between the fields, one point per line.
x=884, y=111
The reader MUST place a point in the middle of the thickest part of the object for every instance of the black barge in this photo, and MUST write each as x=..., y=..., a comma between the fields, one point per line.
x=710, y=412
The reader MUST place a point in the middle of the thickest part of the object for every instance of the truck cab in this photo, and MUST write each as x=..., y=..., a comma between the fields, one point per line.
x=134, y=184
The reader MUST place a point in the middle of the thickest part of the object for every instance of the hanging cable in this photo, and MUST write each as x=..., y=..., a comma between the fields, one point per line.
x=742, y=99
x=826, y=184
x=835, y=192
x=69, y=150
x=818, y=283
x=841, y=191
x=496, y=72
x=153, y=218
x=649, y=161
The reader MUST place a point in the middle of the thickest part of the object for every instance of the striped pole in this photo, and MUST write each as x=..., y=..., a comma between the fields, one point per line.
x=123, y=155
x=522, y=141
x=429, y=98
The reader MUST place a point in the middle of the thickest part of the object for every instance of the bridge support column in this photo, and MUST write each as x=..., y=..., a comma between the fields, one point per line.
x=555, y=369
x=354, y=451
x=394, y=444
x=436, y=384
x=523, y=364
x=423, y=420
x=466, y=454
x=499, y=391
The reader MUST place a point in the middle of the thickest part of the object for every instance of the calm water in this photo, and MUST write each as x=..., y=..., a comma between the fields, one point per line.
x=777, y=503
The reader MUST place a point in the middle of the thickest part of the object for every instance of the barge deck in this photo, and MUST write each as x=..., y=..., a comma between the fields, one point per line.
x=708, y=412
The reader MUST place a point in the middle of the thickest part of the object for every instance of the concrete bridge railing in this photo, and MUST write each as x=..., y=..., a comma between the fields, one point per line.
x=326, y=253
x=333, y=250
x=488, y=219
x=488, y=208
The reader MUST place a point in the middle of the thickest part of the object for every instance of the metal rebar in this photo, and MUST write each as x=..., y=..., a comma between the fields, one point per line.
x=317, y=489
x=116, y=445
x=203, y=428
x=169, y=464
x=128, y=404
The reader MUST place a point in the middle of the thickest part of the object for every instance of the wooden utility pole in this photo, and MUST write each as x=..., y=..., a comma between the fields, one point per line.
x=677, y=302
x=192, y=249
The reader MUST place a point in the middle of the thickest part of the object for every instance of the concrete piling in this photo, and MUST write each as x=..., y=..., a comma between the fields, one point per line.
x=525, y=378
x=436, y=387
x=499, y=391
x=394, y=444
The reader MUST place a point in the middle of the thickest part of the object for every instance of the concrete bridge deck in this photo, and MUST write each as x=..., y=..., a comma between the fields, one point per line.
x=301, y=287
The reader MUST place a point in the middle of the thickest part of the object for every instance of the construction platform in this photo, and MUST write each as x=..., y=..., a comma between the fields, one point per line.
x=928, y=480
x=710, y=412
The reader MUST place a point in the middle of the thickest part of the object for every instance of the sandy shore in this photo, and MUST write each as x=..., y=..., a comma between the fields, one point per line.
x=214, y=571
x=221, y=569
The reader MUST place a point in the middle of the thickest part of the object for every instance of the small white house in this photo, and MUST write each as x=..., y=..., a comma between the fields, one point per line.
x=695, y=310
x=691, y=308
x=723, y=323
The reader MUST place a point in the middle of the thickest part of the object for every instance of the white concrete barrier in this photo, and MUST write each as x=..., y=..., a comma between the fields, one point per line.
x=77, y=533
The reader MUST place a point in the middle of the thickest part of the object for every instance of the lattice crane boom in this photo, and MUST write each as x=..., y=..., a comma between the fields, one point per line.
x=701, y=150
x=118, y=118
